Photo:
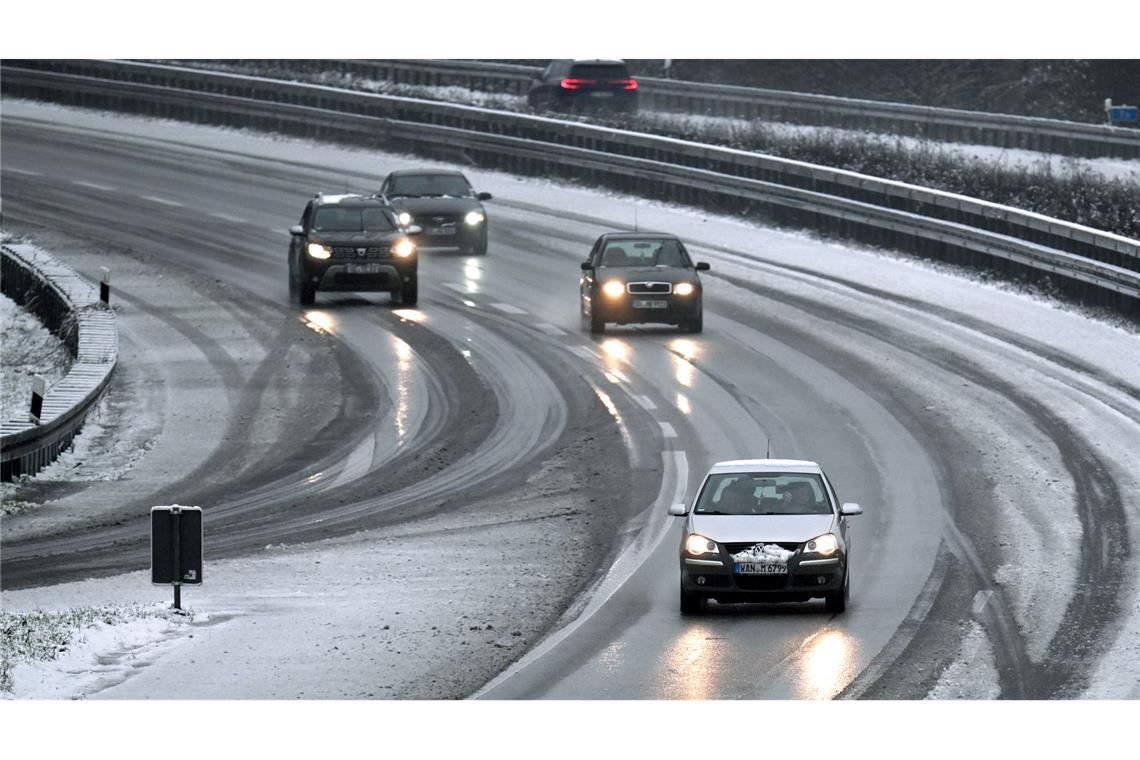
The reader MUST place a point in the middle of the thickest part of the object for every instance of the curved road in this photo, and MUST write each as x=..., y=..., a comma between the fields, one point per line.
x=903, y=399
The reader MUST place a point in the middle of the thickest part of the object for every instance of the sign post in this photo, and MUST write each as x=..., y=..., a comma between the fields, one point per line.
x=176, y=548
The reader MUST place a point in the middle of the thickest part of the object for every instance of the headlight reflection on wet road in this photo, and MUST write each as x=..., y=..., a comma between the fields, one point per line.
x=827, y=665
x=320, y=321
x=404, y=358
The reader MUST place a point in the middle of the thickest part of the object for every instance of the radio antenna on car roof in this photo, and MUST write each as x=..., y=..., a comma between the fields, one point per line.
x=768, y=451
x=635, y=229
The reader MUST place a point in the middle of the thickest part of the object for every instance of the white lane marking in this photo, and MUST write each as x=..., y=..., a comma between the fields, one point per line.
x=228, y=217
x=508, y=308
x=25, y=172
x=981, y=599
x=358, y=463
x=667, y=430
x=645, y=402
x=93, y=185
x=623, y=568
x=163, y=201
x=550, y=329
x=582, y=351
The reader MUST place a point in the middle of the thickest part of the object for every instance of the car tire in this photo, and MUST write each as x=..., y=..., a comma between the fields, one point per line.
x=480, y=248
x=292, y=286
x=597, y=323
x=694, y=325
x=306, y=293
x=691, y=603
x=409, y=294
x=836, y=601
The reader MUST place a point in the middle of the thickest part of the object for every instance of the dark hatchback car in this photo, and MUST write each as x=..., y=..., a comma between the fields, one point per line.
x=352, y=243
x=566, y=85
x=636, y=277
x=444, y=204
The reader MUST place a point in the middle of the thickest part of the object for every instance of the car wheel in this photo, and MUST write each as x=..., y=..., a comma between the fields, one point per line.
x=597, y=323
x=837, y=601
x=691, y=603
x=292, y=285
x=306, y=293
x=409, y=294
x=480, y=248
x=694, y=325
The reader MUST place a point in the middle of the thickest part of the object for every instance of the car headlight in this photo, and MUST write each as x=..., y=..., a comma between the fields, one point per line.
x=474, y=217
x=697, y=544
x=614, y=288
x=404, y=218
x=404, y=248
x=683, y=288
x=826, y=544
x=318, y=251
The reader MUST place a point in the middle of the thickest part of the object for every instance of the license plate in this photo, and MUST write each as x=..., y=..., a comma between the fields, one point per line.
x=364, y=269
x=602, y=94
x=761, y=568
x=441, y=231
x=647, y=304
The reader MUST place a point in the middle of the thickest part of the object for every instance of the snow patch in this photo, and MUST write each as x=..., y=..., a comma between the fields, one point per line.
x=973, y=675
x=764, y=553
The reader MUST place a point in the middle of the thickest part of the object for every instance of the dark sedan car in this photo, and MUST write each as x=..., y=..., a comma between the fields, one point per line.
x=635, y=277
x=584, y=85
x=444, y=204
x=352, y=243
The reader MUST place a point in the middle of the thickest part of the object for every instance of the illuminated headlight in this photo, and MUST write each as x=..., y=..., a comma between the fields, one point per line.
x=404, y=218
x=826, y=544
x=683, y=288
x=614, y=288
x=474, y=217
x=697, y=544
x=318, y=251
x=404, y=248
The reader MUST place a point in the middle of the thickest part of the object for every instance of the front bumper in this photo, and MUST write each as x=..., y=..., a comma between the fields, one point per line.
x=336, y=277
x=622, y=311
x=807, y=577
x=465, y=236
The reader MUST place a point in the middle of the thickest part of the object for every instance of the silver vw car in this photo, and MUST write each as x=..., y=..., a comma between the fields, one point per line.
x=765, y=530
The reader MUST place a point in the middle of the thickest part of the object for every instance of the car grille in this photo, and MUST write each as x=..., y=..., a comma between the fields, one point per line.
x=650, y=287
x=737, y=548
x=437, y=220
x=354, y=252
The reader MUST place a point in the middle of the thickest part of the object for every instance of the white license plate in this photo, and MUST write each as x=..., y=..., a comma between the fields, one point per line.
x=364, y=269
x=647, y=304
x=439, y=231
x=761, y=568
x=602, y=94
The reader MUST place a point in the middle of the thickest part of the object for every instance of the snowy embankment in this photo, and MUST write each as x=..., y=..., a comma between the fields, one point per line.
x=28, y=348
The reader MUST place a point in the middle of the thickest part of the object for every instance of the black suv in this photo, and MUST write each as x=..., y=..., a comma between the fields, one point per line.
x=584, y=85
x=352, y=243
x=634, y=277
x=443, y=203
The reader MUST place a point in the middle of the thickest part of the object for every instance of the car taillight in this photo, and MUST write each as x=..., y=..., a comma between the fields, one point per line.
x=626, y=84
x=574, y=84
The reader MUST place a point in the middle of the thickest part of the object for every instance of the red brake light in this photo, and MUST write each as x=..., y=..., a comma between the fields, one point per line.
x=627, y=84
x=574, y=84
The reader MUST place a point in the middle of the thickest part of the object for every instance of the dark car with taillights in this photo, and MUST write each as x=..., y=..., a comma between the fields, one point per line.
x=765, y=530
x=583, y=85
x=352, y=243
x=641, y=277
x=443, y=204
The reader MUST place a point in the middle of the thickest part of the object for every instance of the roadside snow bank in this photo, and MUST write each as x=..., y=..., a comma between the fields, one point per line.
x=64, y=654
x=28, y=349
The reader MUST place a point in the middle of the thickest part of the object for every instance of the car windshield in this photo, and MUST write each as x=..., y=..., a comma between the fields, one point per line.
x=643, y=253
x=430, y=186
x=759, y=493
x=599, y=71
x=351, y=219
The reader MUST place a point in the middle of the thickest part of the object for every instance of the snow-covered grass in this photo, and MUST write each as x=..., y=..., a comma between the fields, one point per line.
x=28, y=348
x=59, y=653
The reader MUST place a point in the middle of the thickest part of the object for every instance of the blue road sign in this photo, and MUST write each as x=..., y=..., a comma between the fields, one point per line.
x=1123, y=113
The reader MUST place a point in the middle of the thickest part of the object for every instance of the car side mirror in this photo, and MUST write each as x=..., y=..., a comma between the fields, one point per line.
x=484, y=196
x=587, y=266
x=678, y=510
x=413, y=229
x=703, y=266
x=296, y=229
x=850, y=508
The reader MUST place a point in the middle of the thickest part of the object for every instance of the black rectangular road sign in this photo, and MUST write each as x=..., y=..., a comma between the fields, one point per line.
x=176, y=542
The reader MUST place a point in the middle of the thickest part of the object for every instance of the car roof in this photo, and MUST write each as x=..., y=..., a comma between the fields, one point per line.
x=639, y=235
x=766, y=465
x=607, y=61
x=402, y=172
x=329, y=199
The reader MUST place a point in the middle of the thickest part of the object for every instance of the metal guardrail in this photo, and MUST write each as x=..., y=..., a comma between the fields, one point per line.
x=1092, y=265
x=729, y=101
x=69, y=306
